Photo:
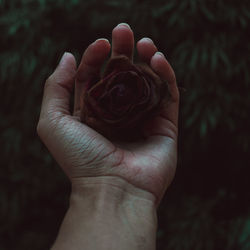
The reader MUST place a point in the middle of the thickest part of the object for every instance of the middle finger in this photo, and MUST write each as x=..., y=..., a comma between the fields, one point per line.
x=122, y=41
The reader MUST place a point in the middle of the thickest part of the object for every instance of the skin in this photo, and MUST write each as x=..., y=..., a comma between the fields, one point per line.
x=112, y=180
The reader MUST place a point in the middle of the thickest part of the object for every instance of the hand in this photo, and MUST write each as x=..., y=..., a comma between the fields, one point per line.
x=88, y=157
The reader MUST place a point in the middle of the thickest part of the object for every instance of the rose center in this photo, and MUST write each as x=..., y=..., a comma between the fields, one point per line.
x=121, y=94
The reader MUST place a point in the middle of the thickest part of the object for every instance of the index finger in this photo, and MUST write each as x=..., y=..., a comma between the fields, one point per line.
x=90, y=66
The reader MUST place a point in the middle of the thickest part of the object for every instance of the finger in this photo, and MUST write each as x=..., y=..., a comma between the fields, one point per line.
x=90, y=66
x=162, y=67
x=122, y=41
x=146, y=49
x=58, y=88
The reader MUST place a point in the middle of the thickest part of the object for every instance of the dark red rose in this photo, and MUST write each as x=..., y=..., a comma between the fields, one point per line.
x=120, y=103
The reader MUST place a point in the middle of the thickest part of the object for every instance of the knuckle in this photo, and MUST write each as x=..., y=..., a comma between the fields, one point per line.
x=43, y=126
x=49, y=124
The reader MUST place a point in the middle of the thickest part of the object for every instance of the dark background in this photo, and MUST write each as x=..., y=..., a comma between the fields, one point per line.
x=207, y=43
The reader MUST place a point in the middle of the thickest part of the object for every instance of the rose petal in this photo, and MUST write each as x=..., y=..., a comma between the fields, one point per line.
x=124, y=99
x=119, y=64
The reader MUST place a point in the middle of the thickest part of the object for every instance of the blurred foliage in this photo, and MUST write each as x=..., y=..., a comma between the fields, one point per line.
x=206, y=41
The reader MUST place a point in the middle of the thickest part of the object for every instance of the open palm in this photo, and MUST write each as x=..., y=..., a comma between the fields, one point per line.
x=83, y=153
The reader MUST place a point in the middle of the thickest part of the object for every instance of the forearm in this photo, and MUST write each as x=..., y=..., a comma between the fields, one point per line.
x=110, y=215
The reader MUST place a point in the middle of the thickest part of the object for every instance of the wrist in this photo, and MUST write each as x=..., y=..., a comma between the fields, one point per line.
x=113, y=198
x=109, y=213
x=109, y=191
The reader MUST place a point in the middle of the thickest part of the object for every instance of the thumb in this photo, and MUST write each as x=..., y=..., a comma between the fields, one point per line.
x=58, y=88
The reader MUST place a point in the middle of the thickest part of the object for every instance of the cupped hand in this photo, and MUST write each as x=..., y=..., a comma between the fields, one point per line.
x=87, y=156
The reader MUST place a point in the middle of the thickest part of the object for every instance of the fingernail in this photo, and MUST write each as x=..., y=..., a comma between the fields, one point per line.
x=146, y=39
x=123, y=24
x=159, y=54
x=63, y=57
x=102, y=39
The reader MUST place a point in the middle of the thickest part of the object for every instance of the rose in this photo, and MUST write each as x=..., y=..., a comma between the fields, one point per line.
x=120, y=103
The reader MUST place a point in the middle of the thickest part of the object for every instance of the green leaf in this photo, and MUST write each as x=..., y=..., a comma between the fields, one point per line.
x=207, y=13
x=182, y=57
x=224, y=57
x=212, y=119
x=13, y=29
x=203, y=128
x=29, y=65
x=193, y=115
x=114, y=3
x=162, y=10
x=42, y=3
x=214, y=59
x=193, y=6
x=194, y=59
x=245, y=234
x=173, y=19
x=74, y=2
x=246, y=11
x=204, y=56
x=243, y=22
